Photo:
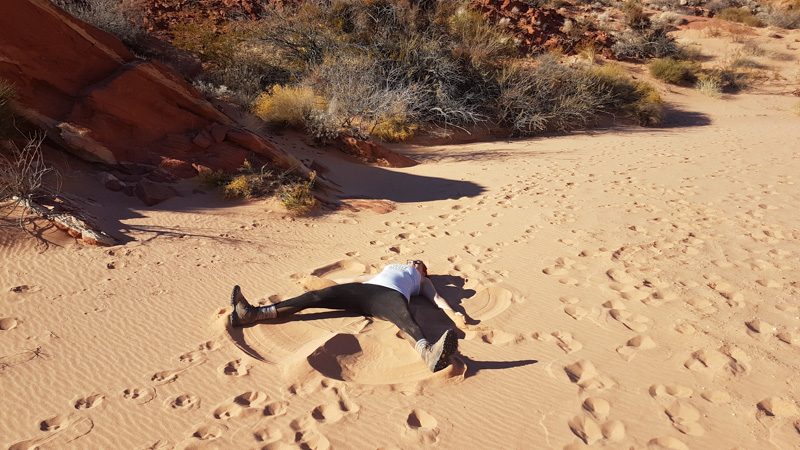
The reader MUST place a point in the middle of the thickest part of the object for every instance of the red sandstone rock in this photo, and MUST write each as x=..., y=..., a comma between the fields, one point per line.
x=97, y=100
x=375, y=152
x=152, y=193
x=218, y=131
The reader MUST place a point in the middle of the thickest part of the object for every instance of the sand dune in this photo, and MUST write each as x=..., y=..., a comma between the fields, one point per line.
x=626, y=288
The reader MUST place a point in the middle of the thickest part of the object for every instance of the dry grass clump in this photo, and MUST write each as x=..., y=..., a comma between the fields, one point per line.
x=741, y=15
x=288, y=105
x=709, y=87
x=294, y=191
x=396, y=129
x=22, y=174
x=117, y=17
x=674, y=71
x=776, y=16
x=550, y=96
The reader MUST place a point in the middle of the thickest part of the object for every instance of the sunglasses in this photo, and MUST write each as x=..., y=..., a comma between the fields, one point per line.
x=413, y=261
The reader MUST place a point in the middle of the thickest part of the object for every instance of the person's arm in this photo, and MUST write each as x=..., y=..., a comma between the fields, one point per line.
x=358, y=279
x=427, y=290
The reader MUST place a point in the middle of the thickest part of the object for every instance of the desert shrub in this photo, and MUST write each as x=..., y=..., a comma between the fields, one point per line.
x=741, y=15
x=359, y=94
x=635, y=17
x=637, y=99
x=213, y=42
x=298, y=197
x=673, y=70
x=289, y=105
x=22, y=174
x=650, y=43
x=293, y=190
x=476, y=41
x=670, y=18
x=776, y=16
x=709, y=87
x=395, y=129
x=550, y=96
x=752, y=48
x=7, y=95
x=120, y=18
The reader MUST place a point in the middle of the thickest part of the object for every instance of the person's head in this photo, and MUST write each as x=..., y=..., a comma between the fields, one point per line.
x=419, y=265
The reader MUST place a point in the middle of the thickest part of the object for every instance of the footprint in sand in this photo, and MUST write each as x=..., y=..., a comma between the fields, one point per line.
x=139, y=395
x=182, y=403
x=597, y=407
x=227, y=410
x=60, y=432
x=424, y=425
x=88, y=402
x=661, y=391
x=307, y=435
x=7, y=323
x=276, y=409
x=499, y=337
x=684, y=418
x=634, y=322
x=268, y=435
x=566, y=342
x=208, y=432
x=666, y=443
x=585, y=375
x=634, y=345
x=235, y=368
x=25, y=289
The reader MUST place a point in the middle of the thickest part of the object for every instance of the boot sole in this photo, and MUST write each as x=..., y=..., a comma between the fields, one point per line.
x=233, y=319
x=449, y=347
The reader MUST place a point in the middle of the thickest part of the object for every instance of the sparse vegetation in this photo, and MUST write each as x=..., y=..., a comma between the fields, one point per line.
x=116, y=17
x=22, y=174
x=293, y=190
x=779, y=17
x=674, y=71
x=551, y=96
x=709, y=87
x=288, y=105
x=741, y=15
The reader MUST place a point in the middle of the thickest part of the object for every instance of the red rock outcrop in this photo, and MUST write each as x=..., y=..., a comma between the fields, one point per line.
x=538, y=29
x=103, y=104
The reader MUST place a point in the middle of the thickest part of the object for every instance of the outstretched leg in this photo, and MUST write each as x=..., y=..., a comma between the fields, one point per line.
x=347, y=297
x=392, y=306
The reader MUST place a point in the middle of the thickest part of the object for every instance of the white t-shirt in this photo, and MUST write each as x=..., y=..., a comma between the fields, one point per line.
x=400, y=277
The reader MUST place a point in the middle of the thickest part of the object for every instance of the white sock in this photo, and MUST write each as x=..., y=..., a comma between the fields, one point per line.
x=270, y=312
x=421, y=344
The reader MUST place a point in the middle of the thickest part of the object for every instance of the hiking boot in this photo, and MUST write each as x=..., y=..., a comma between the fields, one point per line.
x=244, y=313
x=436, y=355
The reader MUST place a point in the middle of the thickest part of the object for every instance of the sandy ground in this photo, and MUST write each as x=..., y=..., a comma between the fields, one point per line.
x=626, y=288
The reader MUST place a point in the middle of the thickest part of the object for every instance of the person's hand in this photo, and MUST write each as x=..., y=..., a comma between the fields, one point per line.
x=460, y=320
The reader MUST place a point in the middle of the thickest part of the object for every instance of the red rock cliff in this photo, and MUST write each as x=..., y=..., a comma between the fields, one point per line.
x=103, y=104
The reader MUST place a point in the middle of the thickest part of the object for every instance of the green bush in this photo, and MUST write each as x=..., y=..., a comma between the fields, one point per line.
x=741, y=15
x=674, y=71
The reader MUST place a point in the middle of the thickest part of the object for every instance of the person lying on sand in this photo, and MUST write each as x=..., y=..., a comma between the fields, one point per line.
x=385, y=295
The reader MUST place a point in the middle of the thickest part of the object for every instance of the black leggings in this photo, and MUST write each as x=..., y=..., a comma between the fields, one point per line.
x=368, y=299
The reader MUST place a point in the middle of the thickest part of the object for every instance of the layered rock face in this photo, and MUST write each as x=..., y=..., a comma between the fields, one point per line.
x=100, y=102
